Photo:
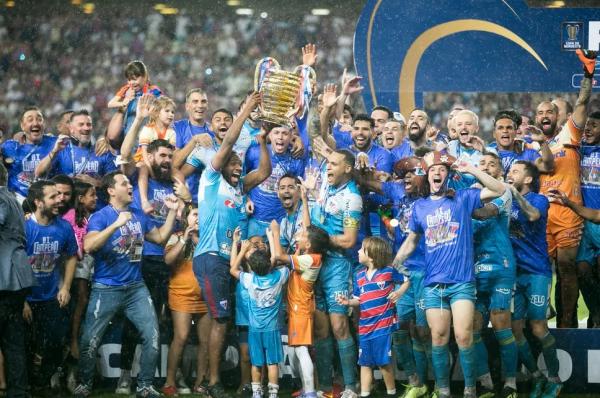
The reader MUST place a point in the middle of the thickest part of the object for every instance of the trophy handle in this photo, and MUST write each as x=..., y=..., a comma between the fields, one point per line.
x=262, y=68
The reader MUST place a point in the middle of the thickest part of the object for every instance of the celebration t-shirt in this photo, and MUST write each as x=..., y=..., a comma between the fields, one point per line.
x=24, y=159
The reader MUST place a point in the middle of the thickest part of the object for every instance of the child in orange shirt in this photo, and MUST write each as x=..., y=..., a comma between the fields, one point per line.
x=306, y=263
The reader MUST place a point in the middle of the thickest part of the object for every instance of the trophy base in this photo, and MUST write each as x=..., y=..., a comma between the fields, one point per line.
x=276, y=119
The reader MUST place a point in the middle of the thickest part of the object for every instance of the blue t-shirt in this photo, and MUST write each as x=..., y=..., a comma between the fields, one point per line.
x=509, y=157
x=25, y=158
x=291, y=224
x=402, y=206
x=343, y=139
x=377, y=313
x=460, y=152
x=267, y=206
x=46, y=244
x=446, y=226
x=493, y=251
x=118, y=261
x=242, y=305
x=221, y=208
x=529, y=238
x=184, y=131
x=157, y=191
x=590, y=175
x=336, y=208
x=404, y=150
x=265, y=293
x=74, y=160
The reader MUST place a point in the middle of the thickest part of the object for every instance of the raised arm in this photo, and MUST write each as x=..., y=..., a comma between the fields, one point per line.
x=264, y=169
x=351, y=86
x=94, y=240
x=46, y=163
x=588, y=59
x=232, y=135
x=277, y=252
x=560, y=197
x=144, y=107
x=531, y=212
x=180, y=155
x=492, y=188
x=326, y=115
x=161, y=235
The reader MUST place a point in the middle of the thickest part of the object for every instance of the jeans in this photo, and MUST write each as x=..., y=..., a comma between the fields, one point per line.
x=12, y=342
x=50, y=326
x=156, y=277
x=105, y=301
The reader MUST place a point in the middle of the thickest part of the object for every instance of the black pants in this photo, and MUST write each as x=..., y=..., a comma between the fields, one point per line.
x=12, y=342
x=156, y=276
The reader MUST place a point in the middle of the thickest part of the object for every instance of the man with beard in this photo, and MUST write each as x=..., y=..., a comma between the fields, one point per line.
x=62, y=127
x=75, y=156
x=534, y=276
x=468, y=146
x=565, y=226
x=267, y=206
x=50, y=244
x=116, y=236
x=22, y=159
x=221, y=208
x=511, y=150
x=64, y=186
x=295, y=203
x=413, y=358
x=418, y=124
x=155, y=272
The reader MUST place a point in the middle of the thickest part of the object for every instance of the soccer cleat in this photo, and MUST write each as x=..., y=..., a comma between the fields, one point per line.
x=508, y=392
x=217, y=391
x=82, y=391
x=414, y=391
x=552, y=389
x=147, y=392
x=537, y=387
x=124, y=384
x=258, y=393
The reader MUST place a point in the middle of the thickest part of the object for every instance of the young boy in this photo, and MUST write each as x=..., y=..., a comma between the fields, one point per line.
x=265, y=287
x=374, y=286
x=312, y=243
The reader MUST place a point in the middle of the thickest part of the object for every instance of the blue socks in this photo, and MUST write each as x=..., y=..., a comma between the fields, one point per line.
x=525, y=355
x=508, y=351
x=441, y=365
x=481, y=355
x=467, y=362
x=348, y=355
x=404, y=351
x=324, y=363
x=422, y=359
x=550, y=357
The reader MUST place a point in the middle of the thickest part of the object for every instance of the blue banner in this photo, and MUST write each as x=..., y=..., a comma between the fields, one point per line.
x=403, y=48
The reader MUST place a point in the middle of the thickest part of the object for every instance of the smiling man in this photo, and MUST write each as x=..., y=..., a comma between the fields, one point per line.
x=468, y=146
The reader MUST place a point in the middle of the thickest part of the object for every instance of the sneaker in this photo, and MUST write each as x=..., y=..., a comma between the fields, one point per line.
x=217, y=391
x=147, y=392
x=438, y=394
x=82, y=391
x=414, y=391
x=508, y=392
x=202, y=389
x=324, y=394
x=246, y=391
x=537, y=387
x=182, y=387
x=124, y=384
x=485, y=392
x=347, y=393
x=258, y=393
x=552, y=389
x=169, y=391
x=470, y=394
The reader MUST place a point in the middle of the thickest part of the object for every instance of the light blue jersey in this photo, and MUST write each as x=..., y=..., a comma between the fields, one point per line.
x=265, y=294
x=221, y=208
x=493, y=250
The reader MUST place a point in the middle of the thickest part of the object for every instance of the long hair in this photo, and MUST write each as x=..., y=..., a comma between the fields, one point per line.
x=158, y=105
x=80, y=189
x=189, y=249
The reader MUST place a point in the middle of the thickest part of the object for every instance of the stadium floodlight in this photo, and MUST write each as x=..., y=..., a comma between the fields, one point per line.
x=556, y=4
x=321, y=11
x=169, y=11
x=160, y=6
x=88, y=8
x=264, y=15
x=244, y=11
x=233, y=3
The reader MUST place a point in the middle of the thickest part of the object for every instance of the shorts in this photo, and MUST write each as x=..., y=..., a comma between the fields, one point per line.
x=300, y=328
x=265, y=347
x=411, y=305
x=84, y=268
x=242, y=334
x=257, y=227
x=443, y=295
x=532, y=296
x=212, y=272
x=495, y=290
x=375, y=351
x=333, y=282
x=589, y=248
x=561, y=237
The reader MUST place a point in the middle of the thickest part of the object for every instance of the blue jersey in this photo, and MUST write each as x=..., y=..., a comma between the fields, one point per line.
x=74, y=160
x=291, y=224
x=131, y=109
x=529, y=238
x=377, y=313
x=221, y=208
x=343, y=139
x=446, y=226
x=184, y=132
x=460, y=152
x=337, y=208
x=242, y=305
x=25, y=158
x=265, y=293
x=157, y=191
x=509, y=157
x=404, y=150
x=118, y=261
x=590, y=175
x=267, y=206
x=493, y=251
x=46, y=244
x=402, y=206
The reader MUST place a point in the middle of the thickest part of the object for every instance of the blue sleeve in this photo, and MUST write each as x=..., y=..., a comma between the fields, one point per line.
x=180, y=134
x=71, y=242
x=473, y=198
x=302, y=124
x=394, y=191
x=384, y=161
x=541, y=203
x=98, y=222
x=355, y=287
x=9, y=148
x=252, y=156
x=531, y=155
x=413, y=223
x=397, y=277
x=108, y=163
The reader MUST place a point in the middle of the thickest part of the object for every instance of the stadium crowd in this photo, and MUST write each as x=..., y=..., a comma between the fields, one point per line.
x=354, y=234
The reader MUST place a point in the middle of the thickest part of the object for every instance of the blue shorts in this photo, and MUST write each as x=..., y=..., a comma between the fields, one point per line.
x=257, y=227
x=443, y=295
x=212, y=272
x=495, y=290
x=334, y=281
x=532, y=296
x=265, y=347
x=411, y=305
x=589, y=248
x=376, y=351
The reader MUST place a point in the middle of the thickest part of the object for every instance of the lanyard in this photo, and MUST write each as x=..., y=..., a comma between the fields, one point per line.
x=86, y=159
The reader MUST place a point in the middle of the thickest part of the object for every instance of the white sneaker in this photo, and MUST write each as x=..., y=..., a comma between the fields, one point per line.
x=182, y=387
x=347, y=393
x=124, y=384
x=55, y=379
